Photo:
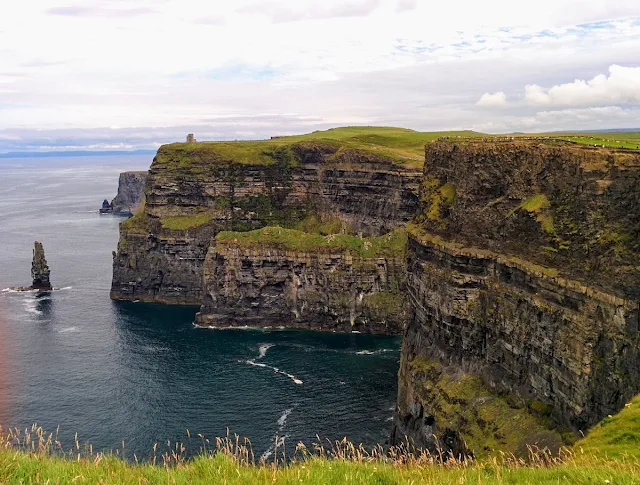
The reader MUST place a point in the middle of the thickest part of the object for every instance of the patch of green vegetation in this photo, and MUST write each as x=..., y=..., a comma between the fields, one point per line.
x=539, y=206
x=324, y=225
x=137, y=224
x=182, y=223
x=487, y=422
x=392, y=244
x=535, y=203
x=613, y=140
x=436, y=199
x=615, y=437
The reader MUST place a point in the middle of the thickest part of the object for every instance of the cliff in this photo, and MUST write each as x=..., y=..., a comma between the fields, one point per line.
x=283, y=277
x=130, y=196
x=524, y=279
x=195, y=191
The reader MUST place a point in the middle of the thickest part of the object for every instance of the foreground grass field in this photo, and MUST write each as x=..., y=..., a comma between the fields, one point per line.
x=28, y=469
x=609, y=455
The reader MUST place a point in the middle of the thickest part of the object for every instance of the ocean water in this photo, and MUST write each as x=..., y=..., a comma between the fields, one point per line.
x=137, y=373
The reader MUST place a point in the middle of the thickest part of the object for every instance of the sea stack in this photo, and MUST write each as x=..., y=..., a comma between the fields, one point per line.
x=40, y=269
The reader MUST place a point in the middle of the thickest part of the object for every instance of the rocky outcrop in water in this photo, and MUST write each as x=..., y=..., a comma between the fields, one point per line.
x=523, y=276
x=194, y=191
x=319, y=286
x=130, y=197
x=40, y=269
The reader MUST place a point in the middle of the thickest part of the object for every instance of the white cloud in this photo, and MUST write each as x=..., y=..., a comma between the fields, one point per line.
x=162, y=63
x=495, y=100
x=622, y=86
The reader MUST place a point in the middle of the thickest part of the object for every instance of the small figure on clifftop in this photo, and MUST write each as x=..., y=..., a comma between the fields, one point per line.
x=40, y=269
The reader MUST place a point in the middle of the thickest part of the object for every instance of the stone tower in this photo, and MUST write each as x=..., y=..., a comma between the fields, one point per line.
x=40, y=269
x=191, y=138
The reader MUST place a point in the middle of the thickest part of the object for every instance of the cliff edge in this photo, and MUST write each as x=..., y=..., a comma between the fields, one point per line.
x=523, y=277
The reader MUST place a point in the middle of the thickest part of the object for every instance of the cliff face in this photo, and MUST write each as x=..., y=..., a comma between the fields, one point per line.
x=130, y=195
x=316, y=287
x=195, y=191
x=523, y=273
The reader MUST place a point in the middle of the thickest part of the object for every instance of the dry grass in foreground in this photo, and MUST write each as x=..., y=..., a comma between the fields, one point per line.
x=33, y=457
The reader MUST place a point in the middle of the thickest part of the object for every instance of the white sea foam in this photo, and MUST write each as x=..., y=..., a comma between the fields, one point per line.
x=68, y=330
x=373, y=352
x=14, y=290
x=275, y=370
x=278, y=444
x=30, y=307
x=282, y=420
x=263, y=350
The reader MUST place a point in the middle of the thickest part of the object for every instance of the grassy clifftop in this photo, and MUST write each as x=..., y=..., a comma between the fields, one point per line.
x=396, y=145
x=275, y=237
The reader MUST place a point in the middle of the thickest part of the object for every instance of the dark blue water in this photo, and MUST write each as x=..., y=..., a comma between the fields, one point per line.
x=114, y=371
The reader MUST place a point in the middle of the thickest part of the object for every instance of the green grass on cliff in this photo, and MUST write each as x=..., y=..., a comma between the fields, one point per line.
x=615, y=437
x=399, y=145
x=182, y=223
x=614, y=140
x=391, y=244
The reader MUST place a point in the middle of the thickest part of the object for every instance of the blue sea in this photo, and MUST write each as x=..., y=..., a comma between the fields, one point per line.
x=125, y=376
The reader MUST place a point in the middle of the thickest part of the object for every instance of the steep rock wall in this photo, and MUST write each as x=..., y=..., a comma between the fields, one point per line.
x=130, y=196
x=522, y=272
x=194, y=191
x=319, y=289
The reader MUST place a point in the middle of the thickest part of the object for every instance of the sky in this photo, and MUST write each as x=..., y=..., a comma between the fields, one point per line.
x=133, y=74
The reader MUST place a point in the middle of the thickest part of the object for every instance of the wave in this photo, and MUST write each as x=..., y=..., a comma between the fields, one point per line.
x=14, y=290
x=275, y=369
x=68, y=330
x=263, y=350
x=282, y=420
x=373, y=352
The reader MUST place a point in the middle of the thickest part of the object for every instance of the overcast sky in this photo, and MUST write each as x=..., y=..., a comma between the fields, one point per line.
x=109, y=74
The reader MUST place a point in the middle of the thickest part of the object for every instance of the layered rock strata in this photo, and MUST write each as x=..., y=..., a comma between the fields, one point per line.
x=194, y=191
x=321, y=288
x=522, y=272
